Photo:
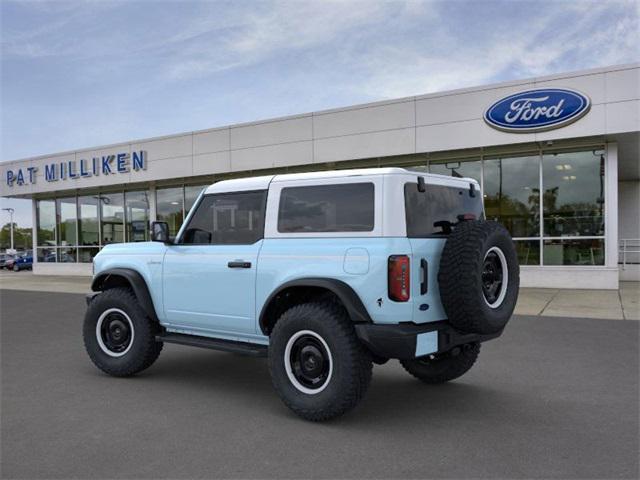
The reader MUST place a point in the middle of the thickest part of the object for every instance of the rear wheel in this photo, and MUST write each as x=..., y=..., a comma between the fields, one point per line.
x=444, y=367
x=118, y=335
x=16, y=268
x=318, y=367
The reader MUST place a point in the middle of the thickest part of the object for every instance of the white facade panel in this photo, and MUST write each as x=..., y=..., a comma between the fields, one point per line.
x=174, y=167
x=569, y=277
x=272, y=132
x=591, y=85
x=212, y=141
x=623, y=85
x=298, y=153
x=170, y=147
x=462, y=107
x=469, y=134
x=209, y=163
x=362, y=120
x=623, y=116
x=367, y=145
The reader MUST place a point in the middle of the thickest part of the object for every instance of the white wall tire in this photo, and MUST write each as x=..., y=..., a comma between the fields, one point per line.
x=291, y=358
x=103, y=342
x=496, y=301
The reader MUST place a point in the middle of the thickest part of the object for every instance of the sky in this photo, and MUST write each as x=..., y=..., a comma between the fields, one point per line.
x=87, y=73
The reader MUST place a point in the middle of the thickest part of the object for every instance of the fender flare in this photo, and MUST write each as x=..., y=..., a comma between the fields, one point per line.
x=114, y=276
x=349, y=298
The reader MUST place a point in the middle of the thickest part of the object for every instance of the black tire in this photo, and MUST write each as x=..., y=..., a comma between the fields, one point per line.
x=16, y=268
x=350, y=373
x=135, y=355
x=477, y=254
x=445, y=367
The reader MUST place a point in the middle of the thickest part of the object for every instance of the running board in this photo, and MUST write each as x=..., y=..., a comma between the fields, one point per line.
x=252, y=349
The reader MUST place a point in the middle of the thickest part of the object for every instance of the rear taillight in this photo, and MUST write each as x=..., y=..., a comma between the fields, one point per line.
x=399, y=283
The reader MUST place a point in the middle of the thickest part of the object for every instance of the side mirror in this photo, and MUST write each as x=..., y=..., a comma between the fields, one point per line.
x=160, y=232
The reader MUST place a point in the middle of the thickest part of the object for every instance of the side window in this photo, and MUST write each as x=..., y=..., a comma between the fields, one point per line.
x=227, y=219
x=346, y=207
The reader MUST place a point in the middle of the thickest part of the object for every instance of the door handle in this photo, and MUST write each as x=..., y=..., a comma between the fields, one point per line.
x=424, y=281
x=239, y=264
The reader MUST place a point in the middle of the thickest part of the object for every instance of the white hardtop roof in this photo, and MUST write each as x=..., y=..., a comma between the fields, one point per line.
x=262, y=182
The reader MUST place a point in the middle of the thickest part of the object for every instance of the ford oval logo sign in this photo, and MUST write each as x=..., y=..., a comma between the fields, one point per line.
x=537, y=110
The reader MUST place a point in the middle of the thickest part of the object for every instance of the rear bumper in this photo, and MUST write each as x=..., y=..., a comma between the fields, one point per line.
x=406, y=341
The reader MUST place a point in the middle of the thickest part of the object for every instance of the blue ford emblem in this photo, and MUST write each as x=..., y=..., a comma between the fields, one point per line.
x=536, y=110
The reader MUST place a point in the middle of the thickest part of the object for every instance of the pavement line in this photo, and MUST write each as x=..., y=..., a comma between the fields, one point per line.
x=541, y=312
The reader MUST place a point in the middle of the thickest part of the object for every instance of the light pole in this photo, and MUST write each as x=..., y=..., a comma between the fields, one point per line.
x=10, y=210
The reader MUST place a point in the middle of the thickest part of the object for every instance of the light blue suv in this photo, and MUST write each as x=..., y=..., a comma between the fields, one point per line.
x=324, y=273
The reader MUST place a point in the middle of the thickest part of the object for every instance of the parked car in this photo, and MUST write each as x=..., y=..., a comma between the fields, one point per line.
x=23, y=261
x=324, y=273
x=4, y=258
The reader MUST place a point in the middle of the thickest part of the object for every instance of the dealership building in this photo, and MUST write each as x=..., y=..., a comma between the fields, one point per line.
x=557, y=158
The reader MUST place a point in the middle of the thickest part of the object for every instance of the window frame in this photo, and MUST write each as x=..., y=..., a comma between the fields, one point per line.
x=275, y=195
x=198, y=202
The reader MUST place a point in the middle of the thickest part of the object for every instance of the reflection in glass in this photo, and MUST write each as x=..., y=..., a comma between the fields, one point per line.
x=169, y=203
x=191, y=195
x=46, y=255
x=86, y=254
x=573, y=194
x=528, y=252
x=88, y=220
x=67, y=221
x=512, y=194
x=66, y=255
x=46, y=219
x=137, y=215
x=112, y=215
x=574, y=252
x=465, y=168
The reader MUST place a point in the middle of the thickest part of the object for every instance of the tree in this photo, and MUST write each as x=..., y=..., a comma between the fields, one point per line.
x=22, y=237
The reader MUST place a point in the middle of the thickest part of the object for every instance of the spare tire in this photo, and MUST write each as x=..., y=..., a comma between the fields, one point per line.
x=479, y=277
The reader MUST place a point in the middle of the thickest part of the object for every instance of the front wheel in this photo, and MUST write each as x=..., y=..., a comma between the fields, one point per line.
x=318, y=367
x=16, y=268
x=444, y=367
x=118, y=335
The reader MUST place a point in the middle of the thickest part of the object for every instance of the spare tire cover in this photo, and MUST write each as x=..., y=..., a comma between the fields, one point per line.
x=479, y=277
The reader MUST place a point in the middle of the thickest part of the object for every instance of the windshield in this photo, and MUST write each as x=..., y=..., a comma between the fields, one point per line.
x=433, y=212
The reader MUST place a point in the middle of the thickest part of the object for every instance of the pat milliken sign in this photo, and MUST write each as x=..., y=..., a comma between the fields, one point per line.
x=537, y=110
x=105, y=165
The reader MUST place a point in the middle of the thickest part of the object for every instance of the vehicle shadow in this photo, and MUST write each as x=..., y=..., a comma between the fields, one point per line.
x=394, y=398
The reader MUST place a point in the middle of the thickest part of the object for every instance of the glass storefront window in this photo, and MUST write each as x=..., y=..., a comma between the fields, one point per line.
x=46, y=255
x=112, y=218
x=66, y=255
x=67, y=221
x=512, y=194
x=137, y=216
x=528, y=252
x=86, y=254
x=191, y=195
x=463, y=168
x=88, y=233
x=574, y=251
x=46, y=219
x=169, y=207
x=573, y=198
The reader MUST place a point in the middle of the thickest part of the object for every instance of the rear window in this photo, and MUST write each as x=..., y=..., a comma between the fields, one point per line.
x=346, y=207
x=438, y=204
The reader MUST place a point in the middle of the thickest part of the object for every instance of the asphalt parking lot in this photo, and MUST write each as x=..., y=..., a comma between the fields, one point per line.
x=552, y=398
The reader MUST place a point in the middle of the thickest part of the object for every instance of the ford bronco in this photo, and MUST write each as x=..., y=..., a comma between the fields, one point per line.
x=324, y=273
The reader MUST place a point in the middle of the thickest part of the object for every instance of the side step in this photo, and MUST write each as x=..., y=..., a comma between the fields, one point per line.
x=243, y=348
